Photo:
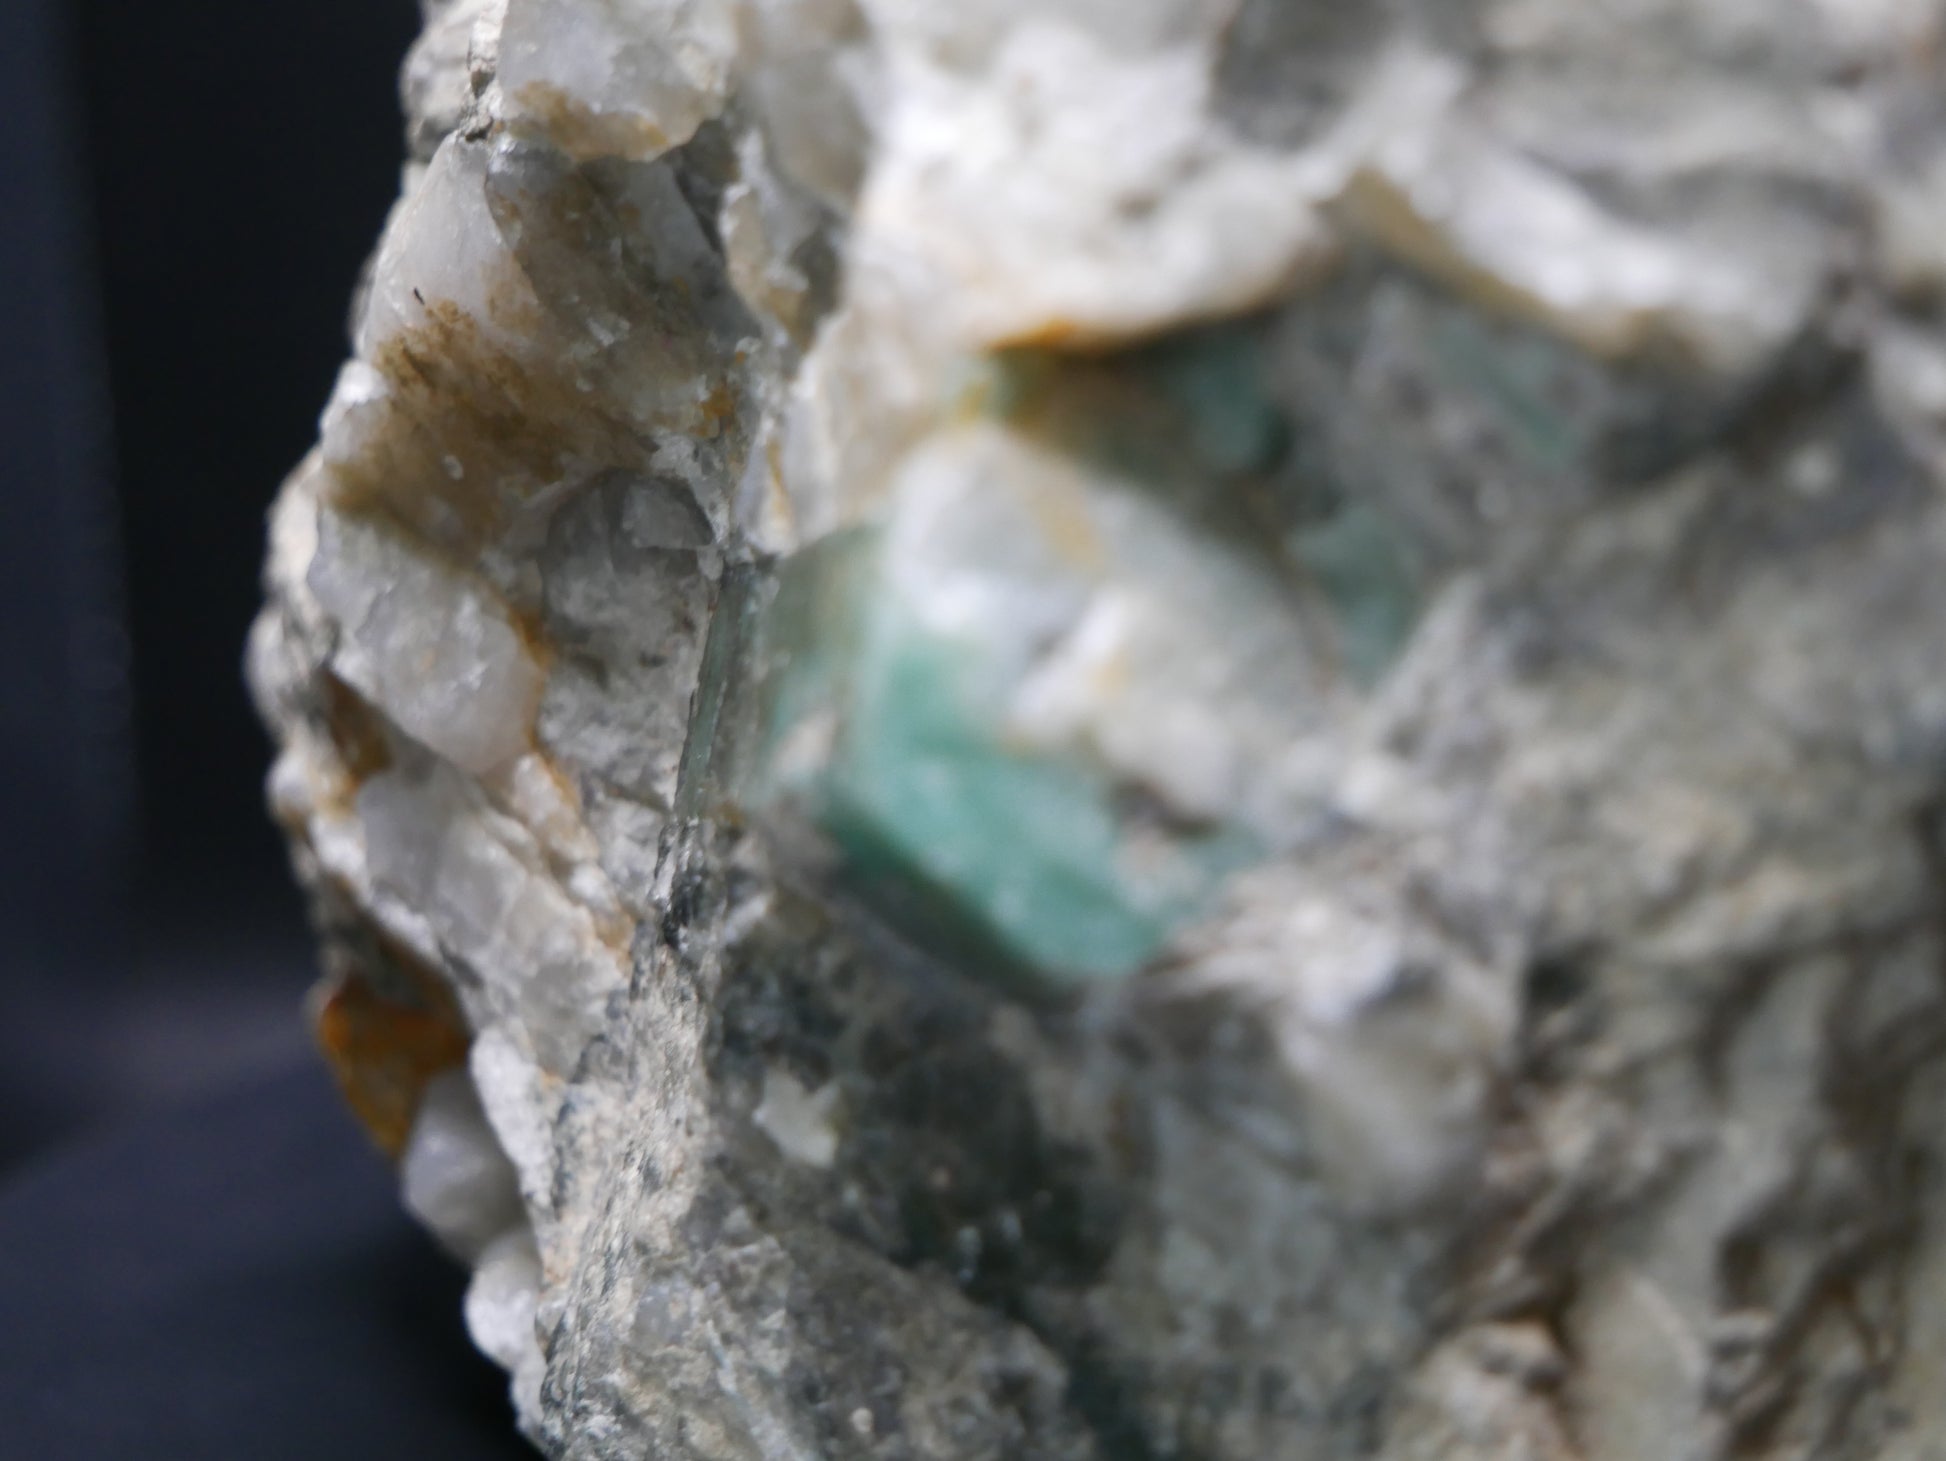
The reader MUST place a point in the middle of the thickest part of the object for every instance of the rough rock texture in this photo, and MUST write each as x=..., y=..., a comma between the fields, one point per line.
x=1124, y=729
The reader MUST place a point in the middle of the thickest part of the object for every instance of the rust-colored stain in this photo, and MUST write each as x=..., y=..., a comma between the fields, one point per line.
x=385, y=1036
x=470, y=430
x=719, y=408
x=530, y=627
x=494, y=405
x=1058, y=333
x=584, y=133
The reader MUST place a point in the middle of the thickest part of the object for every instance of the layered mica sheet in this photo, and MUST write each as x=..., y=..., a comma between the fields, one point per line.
x=1201, y=729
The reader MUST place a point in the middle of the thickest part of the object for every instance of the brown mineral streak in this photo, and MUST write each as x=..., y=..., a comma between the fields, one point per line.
x=472, y=430
x=584, y=133
x=1060, y=334
x=385, y=1044
x=1057, y=333
x=460, y=399
x=719, y=408
x=356, y=728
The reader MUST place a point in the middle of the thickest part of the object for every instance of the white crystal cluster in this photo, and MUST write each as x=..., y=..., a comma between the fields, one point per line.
x=1124, y=729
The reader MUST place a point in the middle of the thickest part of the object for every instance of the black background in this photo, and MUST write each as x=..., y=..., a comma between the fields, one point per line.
x=201, y=1257
x=189, y=188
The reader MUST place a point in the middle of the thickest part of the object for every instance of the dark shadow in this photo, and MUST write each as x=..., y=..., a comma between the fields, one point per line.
x=235, y=1280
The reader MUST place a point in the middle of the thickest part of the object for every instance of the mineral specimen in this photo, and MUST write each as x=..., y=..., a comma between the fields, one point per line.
x=1135, y=729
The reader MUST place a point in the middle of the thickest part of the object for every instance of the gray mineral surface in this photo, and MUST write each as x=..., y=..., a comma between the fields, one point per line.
x=1149, y=730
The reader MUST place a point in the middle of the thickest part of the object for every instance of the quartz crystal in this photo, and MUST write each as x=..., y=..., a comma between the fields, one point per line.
x=1125, y=729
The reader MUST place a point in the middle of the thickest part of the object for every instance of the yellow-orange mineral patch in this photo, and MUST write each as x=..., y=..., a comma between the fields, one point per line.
x=385, y=1038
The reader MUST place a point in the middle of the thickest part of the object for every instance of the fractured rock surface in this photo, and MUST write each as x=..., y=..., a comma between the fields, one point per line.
x=1201, y=729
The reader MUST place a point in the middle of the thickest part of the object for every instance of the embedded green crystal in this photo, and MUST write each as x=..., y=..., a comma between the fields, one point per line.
x=1030, y=864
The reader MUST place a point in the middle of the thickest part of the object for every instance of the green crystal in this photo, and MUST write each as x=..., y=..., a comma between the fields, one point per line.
x=1026, y=863
x=1029, y=856
x=1195, y=418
